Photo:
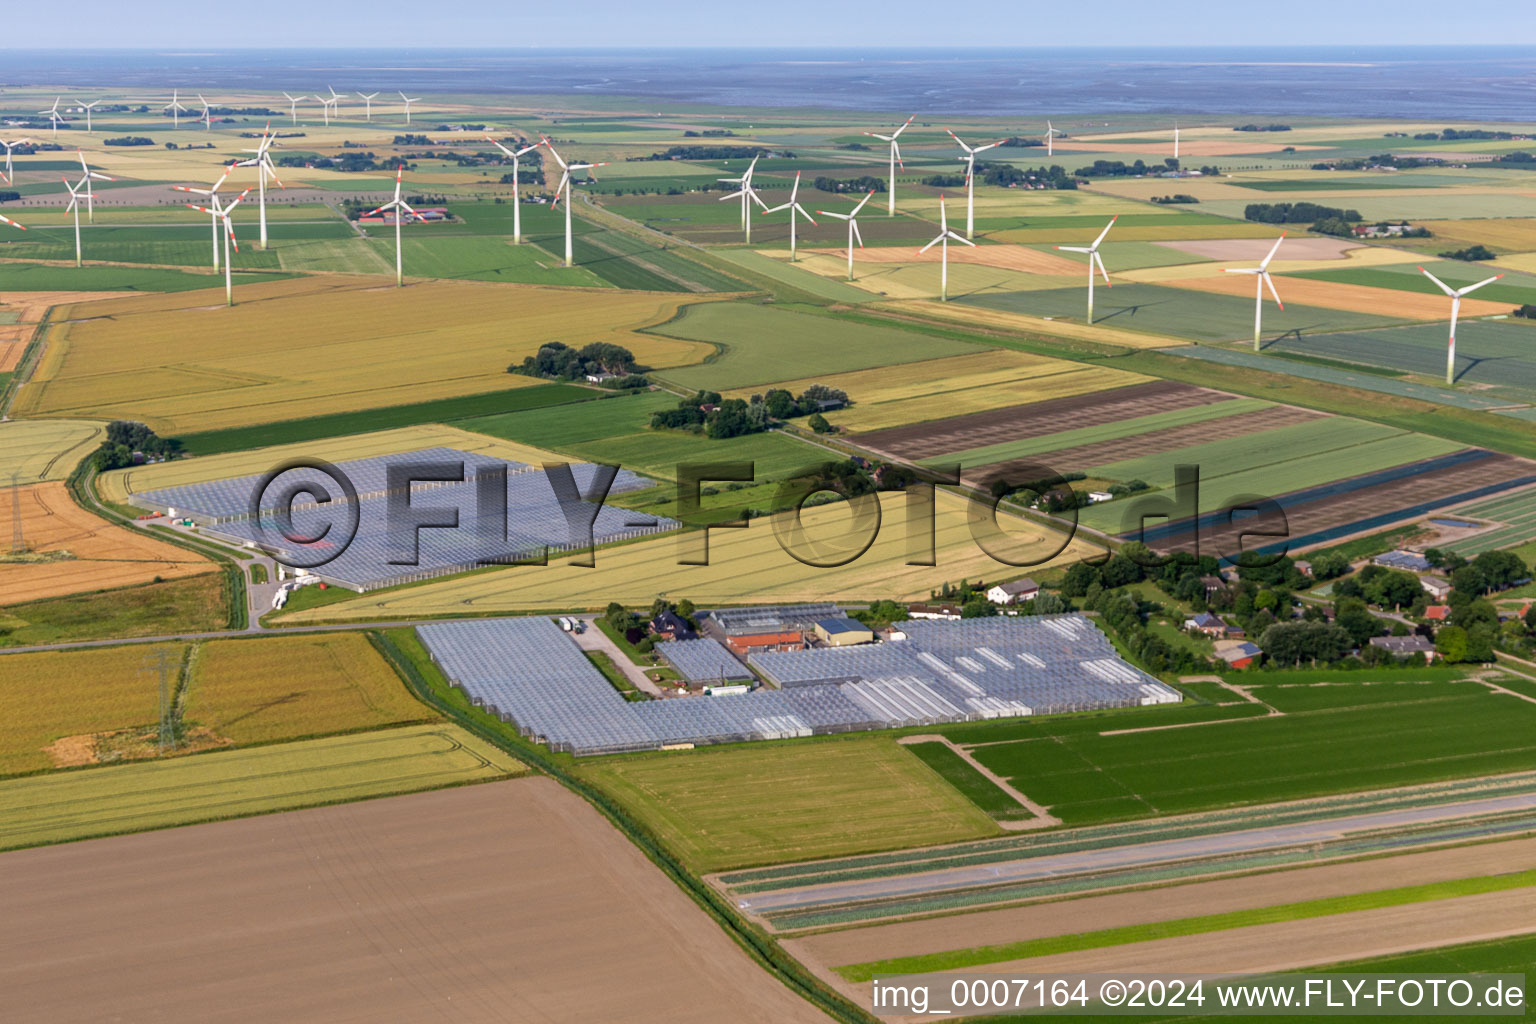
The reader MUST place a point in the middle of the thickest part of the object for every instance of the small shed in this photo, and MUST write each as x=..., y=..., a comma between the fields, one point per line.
x=843, y=632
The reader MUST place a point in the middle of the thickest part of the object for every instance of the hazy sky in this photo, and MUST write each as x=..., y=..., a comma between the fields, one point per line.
x=608, y=23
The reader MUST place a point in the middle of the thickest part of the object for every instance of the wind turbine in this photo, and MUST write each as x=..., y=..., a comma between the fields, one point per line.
x=1261, y=272
x=6, y=220
x=175, y=108
x=293, y=108
x=325, y=107
x=895, y=159
x=335, y=99
x=9, y=172
x=262, y=161
x=748, y=196
x=565, y=183
x=86, y=177
x=1093, y=257
x=1050, y=138
x=399, y=205
x=943, y=243
x=794, y=207
x=74, y=207
x=1455, y=294
x=970, y=180
x=207, y=117
x=1175, y=140
x=87, y=107
x=53, y=116
x=213, y=201
x=368, y=104
x=408, y=101
x=517, y=209
x=853, y=227
x=229, y=238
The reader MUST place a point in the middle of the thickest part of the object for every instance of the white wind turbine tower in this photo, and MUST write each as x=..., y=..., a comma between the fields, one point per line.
x=9, y=173
x=895, y=159
x=408, y=101
x=74, y=207
x=1093, y=258
x=212, y=194
x=794, y=207
x=229, y=238
x=517, y=209
x=1261, y=272
x=175, y=108
x=293, y=108
x=335, y=99
x=747, y=194
x=1456, y=295
x=325, y=107
x=88, y=107
x=943, y=243
x=53, y=116
x=1051, y=131
x=970, y=180
x=853, y=227
x=367, y=98
x=565, y=183
x=86, y=177
x=262, y=161
x=207, y=117
x=399, y=206
x=1175, y=140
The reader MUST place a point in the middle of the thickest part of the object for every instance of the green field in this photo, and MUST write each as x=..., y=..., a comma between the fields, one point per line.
x=792, y=275
x=763, y=803
x=1176, y=312
x=196, y=604
x=446, y=410
x=763, y=344
x=35, y=277
x=66, y=806
x=1515, y=289
x=1498, y=354
x=1350, y=737
x=1517, y=513
x=978, y=789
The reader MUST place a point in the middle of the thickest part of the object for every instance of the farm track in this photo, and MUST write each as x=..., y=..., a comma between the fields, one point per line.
x=998, y=426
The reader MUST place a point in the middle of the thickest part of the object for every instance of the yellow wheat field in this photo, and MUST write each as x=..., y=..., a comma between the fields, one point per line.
x=746, y=566
x=119, y=484
x=1517, y=233
x=913, y=392
x=291, y=349
x=36, y=450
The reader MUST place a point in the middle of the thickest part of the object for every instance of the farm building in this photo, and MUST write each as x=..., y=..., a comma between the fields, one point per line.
x=1406, y=646
x=1437, y=612
x=1012, y=593
x=1237, y=653
x=934, y=611
x=1409, y=560
x=704, y=661
x=1435, y=586
x=1208, y=623
x=671, y=626
x=775, y=628
x=529, y=673
x=843, y=632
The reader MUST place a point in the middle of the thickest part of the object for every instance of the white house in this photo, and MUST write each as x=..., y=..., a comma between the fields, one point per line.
x=1012, y=593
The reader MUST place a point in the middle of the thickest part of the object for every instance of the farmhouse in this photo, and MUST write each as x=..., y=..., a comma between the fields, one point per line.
x=671, y=626
x=843, y=632
x=1210, y=625
x=777, y=628
x=1213, y=585
x=1435, y=586
x=1437, y=612
x=1012, y=593
x=1405, y=646
x=1237, y=653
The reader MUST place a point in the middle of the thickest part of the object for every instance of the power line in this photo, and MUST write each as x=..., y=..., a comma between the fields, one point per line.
x=161, y=662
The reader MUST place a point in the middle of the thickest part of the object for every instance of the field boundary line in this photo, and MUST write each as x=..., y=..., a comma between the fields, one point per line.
x=1043, y=818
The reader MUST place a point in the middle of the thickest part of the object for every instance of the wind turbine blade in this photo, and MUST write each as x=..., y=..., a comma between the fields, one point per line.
x=1474, y=287
x=839, y=216
x=1272, y=251
x=958, y=141
x=1443, y=286
x=958, y=238
x=1111, y=224
x=857, y=233
x=1073, y=248
x=1241, y=270
x=1270, y=281
x=804, y=214
x=1096, y=258
x=903, y=128
x=896, y=149
x=12, y=223
x=867, y=197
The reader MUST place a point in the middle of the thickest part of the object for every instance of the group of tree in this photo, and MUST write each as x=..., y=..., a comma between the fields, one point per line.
x=866, y=183
x=716, y=417
x=783, y=406
x=1178, y=198
x=1525, y=312
x=1390, y=161
x=1297, y=213
x=1520, y=160
x=632, y=625
x=1487, y=573
x=352, y=163
x=721, y=152
x=129, y=140
x=1386, y=588
x=9, y=195
x=1470, y=254
x=709, y=133
x=1467, y=135
x=124, y=437
x=354, y=209
x=1262, y=128
x=1121, y=169
x=558, y=361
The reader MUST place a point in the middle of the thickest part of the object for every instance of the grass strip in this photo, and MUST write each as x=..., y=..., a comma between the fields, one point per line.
x=959, y=959
x=976, y=787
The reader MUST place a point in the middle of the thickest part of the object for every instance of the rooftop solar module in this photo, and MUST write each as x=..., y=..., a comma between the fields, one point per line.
x=533, y=675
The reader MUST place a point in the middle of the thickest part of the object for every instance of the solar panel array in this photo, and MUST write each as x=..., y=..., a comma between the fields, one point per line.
x=532, y=674
x=771, y=618
x=534, y=524
x=703, y=661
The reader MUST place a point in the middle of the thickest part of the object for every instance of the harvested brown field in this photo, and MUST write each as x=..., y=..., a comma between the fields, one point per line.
x=29, y=309
x=1019, y=421
x=1187, y=147
x=1164, y=903
x=1353, y=298
x=1004, y=257
x=502, y=901
x=1167, y=439
x=104, y=555
x=1257, y=248
x=1334, y=507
